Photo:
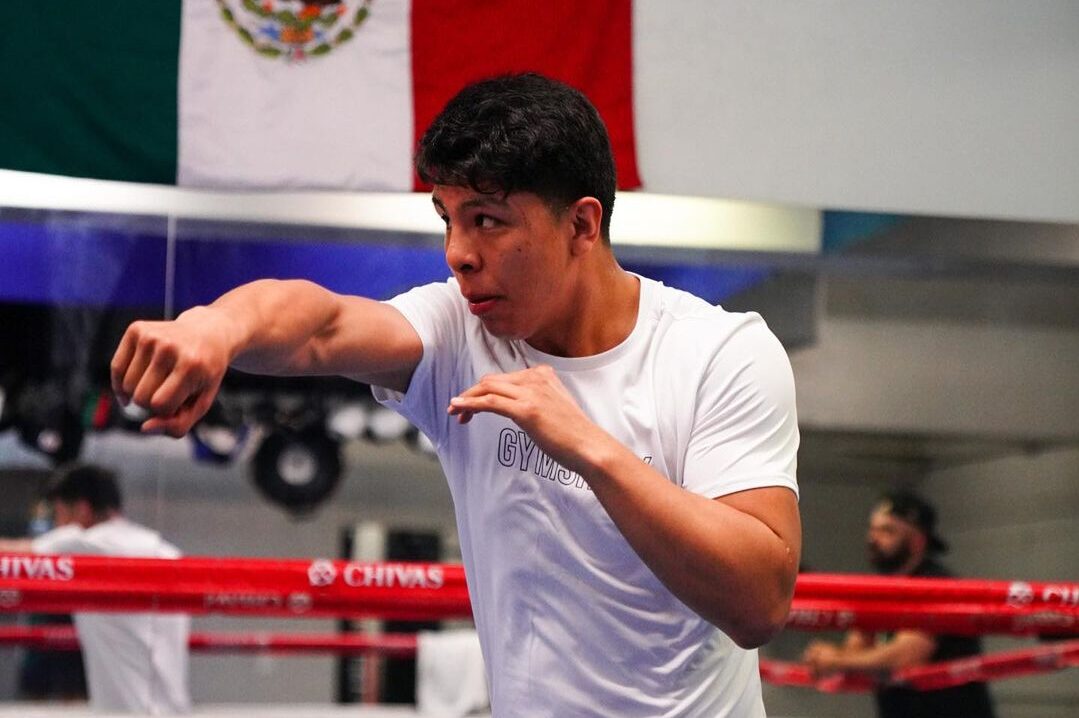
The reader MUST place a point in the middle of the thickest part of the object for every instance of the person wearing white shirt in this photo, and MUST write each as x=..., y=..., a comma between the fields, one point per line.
x=135, y=662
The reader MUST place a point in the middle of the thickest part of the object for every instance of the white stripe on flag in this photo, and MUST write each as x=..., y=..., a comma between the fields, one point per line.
x=341, y=120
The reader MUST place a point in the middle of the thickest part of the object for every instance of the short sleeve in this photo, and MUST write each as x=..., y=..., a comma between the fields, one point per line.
x=436, y=312
x=745, y=429
x=63, y=539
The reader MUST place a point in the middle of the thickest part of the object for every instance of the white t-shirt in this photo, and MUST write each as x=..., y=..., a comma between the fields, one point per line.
x=135, y=662
x=571, y=621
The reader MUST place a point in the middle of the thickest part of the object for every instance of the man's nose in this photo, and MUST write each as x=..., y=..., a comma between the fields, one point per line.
x=461, y=255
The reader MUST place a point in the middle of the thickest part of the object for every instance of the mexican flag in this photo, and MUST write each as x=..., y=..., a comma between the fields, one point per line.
x=284, y=93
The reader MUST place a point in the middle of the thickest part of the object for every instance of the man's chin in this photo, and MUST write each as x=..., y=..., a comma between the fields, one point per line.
x=502, y=330
x=885, y=566
x=878, y=561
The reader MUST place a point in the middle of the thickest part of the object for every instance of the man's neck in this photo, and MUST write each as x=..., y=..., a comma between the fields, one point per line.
x=912, y=565
x=100, y=519
x=599, y=316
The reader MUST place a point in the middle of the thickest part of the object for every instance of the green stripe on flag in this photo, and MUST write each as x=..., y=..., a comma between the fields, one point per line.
x=89, y=89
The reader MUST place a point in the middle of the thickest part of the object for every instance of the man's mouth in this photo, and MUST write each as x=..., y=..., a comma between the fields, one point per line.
x=480, y=304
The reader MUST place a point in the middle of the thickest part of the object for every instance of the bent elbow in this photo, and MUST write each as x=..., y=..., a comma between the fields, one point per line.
x=750, y=637
x=757, y=631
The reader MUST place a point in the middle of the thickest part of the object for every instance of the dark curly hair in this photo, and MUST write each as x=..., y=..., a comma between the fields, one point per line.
x=522, y=133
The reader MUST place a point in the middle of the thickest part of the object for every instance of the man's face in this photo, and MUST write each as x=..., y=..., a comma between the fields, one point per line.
x=78, y=512
x=512, y=258
x=63, y=513
x=888, y=541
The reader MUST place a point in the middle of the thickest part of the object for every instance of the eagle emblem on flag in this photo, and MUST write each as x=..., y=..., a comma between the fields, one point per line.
x=294, y=30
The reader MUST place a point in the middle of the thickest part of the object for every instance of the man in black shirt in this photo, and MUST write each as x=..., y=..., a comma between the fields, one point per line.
x=902, y=541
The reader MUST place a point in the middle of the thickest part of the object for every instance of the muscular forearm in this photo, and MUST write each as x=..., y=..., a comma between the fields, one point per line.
x=296, y=327
x=907, y=648
x=270, y=325
x=726, y=564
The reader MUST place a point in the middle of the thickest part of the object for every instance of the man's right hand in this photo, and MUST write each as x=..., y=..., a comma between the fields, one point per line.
x=173, y=369
x=822, y=658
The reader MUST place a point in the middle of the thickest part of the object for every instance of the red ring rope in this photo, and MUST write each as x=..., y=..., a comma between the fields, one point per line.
x=953, y=618
x=987, y=667
x=65, y=638
x=427, y=591
x=938, y=590
x=947, y=674
x=267, y=587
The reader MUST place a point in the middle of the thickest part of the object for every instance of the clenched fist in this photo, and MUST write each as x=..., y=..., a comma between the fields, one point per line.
x=173, y=369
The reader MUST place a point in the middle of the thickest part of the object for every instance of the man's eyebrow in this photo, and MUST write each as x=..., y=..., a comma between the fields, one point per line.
x=484, y=202
x=472, y=203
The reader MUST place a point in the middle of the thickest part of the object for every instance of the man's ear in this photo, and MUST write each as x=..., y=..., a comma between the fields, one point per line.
x=919, y=542
x=586, y=218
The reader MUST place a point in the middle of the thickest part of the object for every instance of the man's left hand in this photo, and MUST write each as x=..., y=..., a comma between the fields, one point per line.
x=538, y=401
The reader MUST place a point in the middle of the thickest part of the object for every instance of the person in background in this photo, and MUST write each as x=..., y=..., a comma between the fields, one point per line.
x=902, y=541
x=46, y=675
x=135, y=662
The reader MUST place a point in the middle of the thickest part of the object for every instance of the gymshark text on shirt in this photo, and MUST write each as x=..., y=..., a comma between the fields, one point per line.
x=517, y=450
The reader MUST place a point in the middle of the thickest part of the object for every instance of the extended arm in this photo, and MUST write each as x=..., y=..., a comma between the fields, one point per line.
x=291, y=327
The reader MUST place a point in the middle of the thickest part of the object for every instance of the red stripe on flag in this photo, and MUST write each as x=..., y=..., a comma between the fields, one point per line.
x=585, y=44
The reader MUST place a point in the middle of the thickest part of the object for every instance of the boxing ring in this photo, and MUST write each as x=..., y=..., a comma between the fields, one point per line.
x=403, y=591
x=25, y=710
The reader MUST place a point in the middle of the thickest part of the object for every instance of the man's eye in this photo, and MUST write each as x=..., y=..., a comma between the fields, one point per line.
x=484, y=221
x=445, y=219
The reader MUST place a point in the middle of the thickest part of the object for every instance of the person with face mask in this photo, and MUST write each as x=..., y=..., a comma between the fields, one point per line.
x=902, y=541
x=46, y=675
x=136, y=663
